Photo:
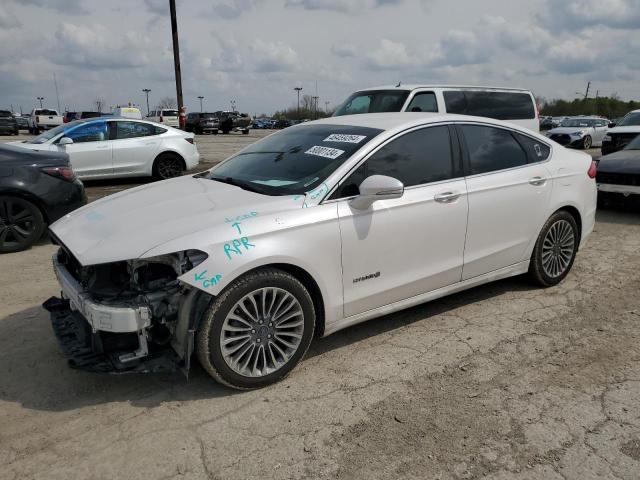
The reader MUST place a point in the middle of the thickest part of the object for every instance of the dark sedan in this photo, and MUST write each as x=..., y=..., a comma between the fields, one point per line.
x=618, y=174
x=36, y=189
x=8, y=124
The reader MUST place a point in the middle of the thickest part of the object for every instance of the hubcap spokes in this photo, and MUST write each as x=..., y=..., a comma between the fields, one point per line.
x=169, y=168
x=557, y=248
x=262, y=332
x=16, y=222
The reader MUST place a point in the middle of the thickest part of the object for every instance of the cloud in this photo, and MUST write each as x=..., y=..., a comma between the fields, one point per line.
x=580, y=14
x=95, y=47
x=72, y=7
x=344, y=50
x=8, y=20
x=273, y=56
x=457, y=48
x=157, y=7
x=341, y=6
x=230, y=9
x=389, y=54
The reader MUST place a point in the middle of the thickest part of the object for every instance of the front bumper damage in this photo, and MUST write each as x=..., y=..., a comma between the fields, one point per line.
x=126, y=317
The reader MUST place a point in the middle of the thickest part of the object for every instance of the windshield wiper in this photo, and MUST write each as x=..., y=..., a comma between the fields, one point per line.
x=239, y=183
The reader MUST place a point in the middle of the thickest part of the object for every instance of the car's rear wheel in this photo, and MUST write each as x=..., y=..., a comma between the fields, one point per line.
x=256, y=330
x=21, y=224
x=586, y=142
x=555, y=249
x=167, y=165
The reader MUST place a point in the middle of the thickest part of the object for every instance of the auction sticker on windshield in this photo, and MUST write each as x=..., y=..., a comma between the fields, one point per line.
x=344, y=138
x=326, y=152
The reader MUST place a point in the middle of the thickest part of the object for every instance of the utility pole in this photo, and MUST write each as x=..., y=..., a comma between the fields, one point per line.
x=326, y=107
x=587, y=92
x=315, y=106
x=298, y=89
x=40, y=99
x=176, y=55
x=147, y=90
x=233, y=105
x=201, y=98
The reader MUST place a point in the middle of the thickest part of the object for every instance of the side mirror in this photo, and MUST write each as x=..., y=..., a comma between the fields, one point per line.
x=65, y=141
x=377, y=187
x=611, y=124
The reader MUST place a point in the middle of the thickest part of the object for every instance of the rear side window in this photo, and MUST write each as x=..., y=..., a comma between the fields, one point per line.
x=491, y=149
x=536, y=150
x=169, y=113
x=419, y=157
x=133, y=130
x=423, y=102
x=498, y=105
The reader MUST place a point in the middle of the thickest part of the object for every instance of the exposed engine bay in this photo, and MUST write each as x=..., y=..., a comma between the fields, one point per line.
x=124, y=316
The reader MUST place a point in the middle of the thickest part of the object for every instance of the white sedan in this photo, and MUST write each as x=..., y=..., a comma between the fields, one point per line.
x=310, y=230
x=120, y=147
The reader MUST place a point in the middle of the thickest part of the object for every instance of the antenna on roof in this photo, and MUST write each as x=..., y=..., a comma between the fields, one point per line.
x=399, y=83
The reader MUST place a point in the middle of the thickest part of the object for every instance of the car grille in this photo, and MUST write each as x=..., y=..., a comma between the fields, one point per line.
x=618, y=178
x=561, y=138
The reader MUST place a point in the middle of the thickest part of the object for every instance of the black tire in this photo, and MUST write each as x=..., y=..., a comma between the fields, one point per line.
x=586, y=142
x=537, y=270
x=167, y=165
x=245, y=132
x=208, y=336
x=21, y=224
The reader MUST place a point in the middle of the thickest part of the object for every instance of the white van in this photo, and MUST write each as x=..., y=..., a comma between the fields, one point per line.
x=165, y=115
x=510, y=104
x=127, y=112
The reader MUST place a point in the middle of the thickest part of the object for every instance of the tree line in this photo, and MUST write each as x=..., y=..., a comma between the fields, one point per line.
x=608, y=107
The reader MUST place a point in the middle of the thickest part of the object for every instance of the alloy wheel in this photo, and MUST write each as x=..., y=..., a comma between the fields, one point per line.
x=169, y=167
x=558, y=248
x=262, y=332
x=17, y=222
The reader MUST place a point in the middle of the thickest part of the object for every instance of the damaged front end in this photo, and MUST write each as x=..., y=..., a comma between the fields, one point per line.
x=126, y=316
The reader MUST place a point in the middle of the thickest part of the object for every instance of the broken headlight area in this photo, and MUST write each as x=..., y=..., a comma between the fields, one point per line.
x=122, y=316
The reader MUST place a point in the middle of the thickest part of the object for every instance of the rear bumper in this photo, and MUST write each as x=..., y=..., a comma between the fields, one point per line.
x=192, y=160
x=65, y=198
x=623, y=189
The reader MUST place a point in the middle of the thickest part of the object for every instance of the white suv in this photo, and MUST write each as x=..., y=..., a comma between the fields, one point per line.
x=308, y=231
x=168, y=116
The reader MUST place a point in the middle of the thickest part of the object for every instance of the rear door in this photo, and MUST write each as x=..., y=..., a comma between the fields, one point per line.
x=90, y=152
x=508, y=189
x=411, y=245
x=135, y=145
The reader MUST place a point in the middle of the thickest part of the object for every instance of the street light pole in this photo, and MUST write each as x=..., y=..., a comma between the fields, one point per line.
x=40, y=99
x=298, y=90
x=201, y=98
x=233, y=105
x=315, y=106
x=147, y=90
x=326, y=107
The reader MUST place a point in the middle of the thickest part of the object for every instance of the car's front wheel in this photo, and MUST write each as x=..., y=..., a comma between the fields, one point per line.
x=21, y=224
x=167, y=165
x=555, y=249
x=257, y=330
x=586, y=142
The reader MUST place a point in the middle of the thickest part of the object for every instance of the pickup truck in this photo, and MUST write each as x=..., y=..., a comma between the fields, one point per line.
x=240, y=122
x=44, y=119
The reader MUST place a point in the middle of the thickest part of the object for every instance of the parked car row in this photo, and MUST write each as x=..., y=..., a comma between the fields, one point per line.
x=213, y=122
x=580, y=132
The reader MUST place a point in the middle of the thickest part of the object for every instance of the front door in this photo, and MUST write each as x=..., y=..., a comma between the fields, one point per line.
x=400, y=248
x=90, y=152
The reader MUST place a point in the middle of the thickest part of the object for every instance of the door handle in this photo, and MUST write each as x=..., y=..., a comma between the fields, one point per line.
x=537, y=181
x=102, y=147
x=446, y=197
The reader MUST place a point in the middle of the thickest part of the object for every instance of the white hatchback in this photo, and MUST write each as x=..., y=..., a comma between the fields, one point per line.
x=310, y=230
x=120, y=147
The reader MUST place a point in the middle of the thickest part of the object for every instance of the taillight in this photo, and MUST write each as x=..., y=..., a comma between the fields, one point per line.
x=190, y=140
x=592, y=170
x=66, y=173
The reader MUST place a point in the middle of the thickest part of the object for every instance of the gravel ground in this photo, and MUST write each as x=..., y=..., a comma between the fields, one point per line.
x=505, y=381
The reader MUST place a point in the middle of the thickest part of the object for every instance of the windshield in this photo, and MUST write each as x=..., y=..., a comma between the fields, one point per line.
x=49, y=134
x=577, y=122
x=295, y=160
x=374, y=101
x=633, y=144
x=630, y=119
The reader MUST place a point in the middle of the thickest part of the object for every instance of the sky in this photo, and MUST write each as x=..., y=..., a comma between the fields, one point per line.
x=255, y=52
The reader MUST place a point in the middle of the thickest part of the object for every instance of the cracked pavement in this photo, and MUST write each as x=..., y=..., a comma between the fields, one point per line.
x=504, y=381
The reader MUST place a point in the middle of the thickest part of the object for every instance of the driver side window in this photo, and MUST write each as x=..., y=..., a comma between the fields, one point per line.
x=92, y=132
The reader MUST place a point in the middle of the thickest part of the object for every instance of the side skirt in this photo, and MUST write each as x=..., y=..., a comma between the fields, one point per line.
x=511, y=271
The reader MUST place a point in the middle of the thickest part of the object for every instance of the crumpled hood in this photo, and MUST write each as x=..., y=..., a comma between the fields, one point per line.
x=624, y=161
x=129, y=223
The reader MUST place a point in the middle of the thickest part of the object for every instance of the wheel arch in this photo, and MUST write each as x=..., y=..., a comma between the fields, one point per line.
x=575, y=213
x=25, y=195
x=170, y=152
